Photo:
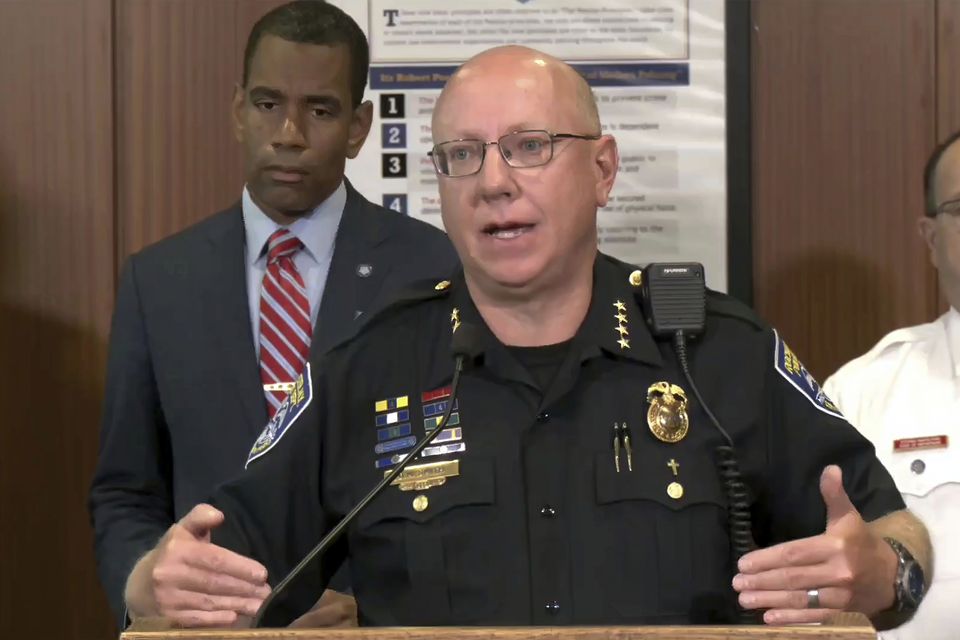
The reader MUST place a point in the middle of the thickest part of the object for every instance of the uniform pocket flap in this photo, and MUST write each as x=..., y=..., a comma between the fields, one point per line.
x=473, y=486
x=697, y=480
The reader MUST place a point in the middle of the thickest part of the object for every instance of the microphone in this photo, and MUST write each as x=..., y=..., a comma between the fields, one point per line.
x=674, y=304
x=462, y=344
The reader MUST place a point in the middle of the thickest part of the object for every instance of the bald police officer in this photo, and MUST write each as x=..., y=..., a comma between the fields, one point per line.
x=576, y=480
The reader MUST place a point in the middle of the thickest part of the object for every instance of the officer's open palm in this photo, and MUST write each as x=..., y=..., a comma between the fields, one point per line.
x=846, y=568
x=193, y=582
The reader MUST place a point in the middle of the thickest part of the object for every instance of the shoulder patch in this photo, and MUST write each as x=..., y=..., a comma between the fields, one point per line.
x=793, y=371
x=288, y=412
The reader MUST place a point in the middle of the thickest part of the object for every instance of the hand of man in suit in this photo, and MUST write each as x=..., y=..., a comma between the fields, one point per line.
x=333, y=609
x=191, y=581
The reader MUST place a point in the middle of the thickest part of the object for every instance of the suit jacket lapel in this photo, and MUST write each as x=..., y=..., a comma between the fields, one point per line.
x=355, y=276
x=227, y=315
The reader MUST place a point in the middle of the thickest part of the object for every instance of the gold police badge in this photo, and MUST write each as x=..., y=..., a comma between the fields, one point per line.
x=667, y=415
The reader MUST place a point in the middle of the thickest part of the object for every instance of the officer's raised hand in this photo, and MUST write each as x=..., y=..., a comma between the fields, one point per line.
x=847, y=568
x=193, y=582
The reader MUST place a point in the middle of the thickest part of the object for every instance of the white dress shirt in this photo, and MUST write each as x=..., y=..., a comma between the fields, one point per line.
x=905, y=389
x=316, y=230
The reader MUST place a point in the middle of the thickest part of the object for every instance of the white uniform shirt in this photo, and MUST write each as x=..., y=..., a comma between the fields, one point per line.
x=907, y=388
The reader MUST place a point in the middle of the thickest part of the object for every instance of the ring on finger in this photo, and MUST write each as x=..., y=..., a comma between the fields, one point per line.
x=813, y=599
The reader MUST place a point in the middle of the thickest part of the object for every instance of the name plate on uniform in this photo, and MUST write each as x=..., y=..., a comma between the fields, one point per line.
x=425, y=476
x=916, y=444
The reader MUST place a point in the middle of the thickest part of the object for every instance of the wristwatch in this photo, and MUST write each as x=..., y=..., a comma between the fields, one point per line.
x=910, y=585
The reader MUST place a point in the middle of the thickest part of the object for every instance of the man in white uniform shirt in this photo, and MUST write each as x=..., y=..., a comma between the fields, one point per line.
x=904, y=394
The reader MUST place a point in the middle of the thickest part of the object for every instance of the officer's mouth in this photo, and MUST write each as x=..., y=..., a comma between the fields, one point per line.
x=507, y=230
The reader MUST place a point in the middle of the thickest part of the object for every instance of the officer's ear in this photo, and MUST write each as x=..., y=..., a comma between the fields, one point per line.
x=606, y=161
x=927, y=227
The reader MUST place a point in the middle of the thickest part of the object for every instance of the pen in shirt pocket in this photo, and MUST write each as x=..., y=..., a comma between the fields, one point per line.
x=616, y=446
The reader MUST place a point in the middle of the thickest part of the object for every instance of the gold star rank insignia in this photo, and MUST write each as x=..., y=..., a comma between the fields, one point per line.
x=621, y=327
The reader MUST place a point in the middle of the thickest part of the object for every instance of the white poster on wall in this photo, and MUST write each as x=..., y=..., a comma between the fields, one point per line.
x=656, y=67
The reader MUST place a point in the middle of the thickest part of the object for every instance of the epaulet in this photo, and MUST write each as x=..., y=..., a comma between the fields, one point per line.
x=631, y=272
x=717, y=304
x=407, y=296
x=720, y=304
x=418, y=291
x=903, y=335
x=410, y=295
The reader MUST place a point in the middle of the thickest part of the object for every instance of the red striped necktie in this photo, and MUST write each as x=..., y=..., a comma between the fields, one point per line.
x=285, y=328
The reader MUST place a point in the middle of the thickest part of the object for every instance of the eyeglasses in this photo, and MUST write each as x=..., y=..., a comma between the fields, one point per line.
x=520, y=149
x=950, y=207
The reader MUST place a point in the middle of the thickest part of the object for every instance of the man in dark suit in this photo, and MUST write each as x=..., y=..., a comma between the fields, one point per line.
x=205, y=337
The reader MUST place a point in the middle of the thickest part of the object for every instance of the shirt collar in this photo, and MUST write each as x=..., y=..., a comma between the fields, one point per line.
x=317, y=230
x=613, y=307
x=615, y=323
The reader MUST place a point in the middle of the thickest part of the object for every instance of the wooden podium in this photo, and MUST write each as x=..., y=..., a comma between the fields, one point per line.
x=844, y=627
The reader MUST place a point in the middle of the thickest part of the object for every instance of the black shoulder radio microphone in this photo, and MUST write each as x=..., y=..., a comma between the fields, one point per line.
x=674, y=305
x=461, y=343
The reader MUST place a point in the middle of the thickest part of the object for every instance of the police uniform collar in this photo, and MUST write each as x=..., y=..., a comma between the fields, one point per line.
x=607, y=327
x=615, y=322
x=463, y=310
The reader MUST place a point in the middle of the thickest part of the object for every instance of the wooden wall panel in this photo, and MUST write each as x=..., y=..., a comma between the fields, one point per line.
x=177, y=63
x=948, y=74
x=843, y=119
x=948, y=67
x=56, y=294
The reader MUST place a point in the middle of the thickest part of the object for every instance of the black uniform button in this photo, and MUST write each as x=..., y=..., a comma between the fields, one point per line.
x=552, y=607
x=543, y=417
x=547, y=511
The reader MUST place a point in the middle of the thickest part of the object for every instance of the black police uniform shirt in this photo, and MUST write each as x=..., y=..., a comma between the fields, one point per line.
x=533, y=523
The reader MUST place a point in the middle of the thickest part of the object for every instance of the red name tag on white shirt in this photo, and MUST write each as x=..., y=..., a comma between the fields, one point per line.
x=926, y=442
